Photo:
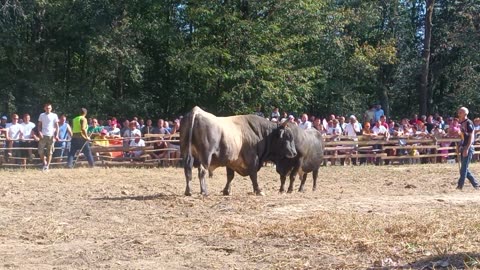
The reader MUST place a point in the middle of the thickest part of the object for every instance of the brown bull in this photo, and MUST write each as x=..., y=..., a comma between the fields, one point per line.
x=240, y=143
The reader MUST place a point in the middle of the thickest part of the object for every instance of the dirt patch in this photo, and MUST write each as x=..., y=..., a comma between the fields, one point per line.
x=360, y=217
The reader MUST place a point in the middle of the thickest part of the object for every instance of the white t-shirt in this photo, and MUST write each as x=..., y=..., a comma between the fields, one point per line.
x=305, y=125
x=141, y=143
x=48, y=123
x=379, y=130
x=27, y=129
x=334, y=130
x=352, y=130
x=14, y=131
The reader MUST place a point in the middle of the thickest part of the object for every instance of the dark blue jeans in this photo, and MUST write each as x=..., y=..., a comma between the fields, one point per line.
x=464, y=171
x=77, y=144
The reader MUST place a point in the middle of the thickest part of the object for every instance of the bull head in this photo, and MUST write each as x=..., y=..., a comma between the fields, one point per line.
x=286, y=142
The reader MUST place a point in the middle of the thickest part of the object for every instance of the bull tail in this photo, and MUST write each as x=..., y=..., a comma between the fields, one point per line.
x=190, y=135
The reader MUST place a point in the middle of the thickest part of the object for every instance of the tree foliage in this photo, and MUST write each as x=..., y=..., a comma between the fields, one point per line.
x=160, y=58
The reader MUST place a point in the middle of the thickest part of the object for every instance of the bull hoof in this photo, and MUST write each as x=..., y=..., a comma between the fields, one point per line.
x=226, y=193
x=188, y=193
x=281, y=191
x=205, y=194
x=260, y=193
x=290, y=191
x=301, y=190
x=314, y=189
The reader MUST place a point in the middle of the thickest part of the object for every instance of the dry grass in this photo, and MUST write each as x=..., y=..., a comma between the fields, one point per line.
x=361, y=217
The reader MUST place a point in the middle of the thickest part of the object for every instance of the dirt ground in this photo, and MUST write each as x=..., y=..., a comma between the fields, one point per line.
x=364, y=217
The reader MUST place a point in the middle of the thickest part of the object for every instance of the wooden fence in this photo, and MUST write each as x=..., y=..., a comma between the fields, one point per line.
x=338, y=151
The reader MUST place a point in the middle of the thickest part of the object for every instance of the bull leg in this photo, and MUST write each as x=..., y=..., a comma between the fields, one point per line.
x=303, y=178
x=315, y=176
x=187, y=168
x=202, y=172
x=256, y=188
x=283, y=179
x=230, y=175
x=293, y=174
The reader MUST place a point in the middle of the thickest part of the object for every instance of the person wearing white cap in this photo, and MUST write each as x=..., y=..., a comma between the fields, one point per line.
x=353, y=127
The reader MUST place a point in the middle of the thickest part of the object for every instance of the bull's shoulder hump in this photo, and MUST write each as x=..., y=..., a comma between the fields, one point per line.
x=198, y=111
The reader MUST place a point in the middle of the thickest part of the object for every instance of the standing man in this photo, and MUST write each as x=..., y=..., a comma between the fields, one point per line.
x=64, y=135
x=466, y=148
x=80, y=139
x=48, y=133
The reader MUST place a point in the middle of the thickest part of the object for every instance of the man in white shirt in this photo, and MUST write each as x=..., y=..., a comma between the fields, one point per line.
x=379, y=129
x=27, y=136
x=14, y=134
x=353, y=127
x=137, y=142
x=48, y=130
x=304, y=123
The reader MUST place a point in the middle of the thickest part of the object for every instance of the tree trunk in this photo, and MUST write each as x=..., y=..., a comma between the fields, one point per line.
x=423, y=88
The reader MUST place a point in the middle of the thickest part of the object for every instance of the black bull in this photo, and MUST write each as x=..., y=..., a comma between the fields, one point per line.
x=309, y=146
x=240, y=143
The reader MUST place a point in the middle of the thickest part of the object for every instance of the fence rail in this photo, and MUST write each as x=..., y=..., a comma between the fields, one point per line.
x=163, y=150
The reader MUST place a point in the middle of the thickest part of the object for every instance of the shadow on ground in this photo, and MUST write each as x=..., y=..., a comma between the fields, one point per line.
x=447, y=261
x=137, y=198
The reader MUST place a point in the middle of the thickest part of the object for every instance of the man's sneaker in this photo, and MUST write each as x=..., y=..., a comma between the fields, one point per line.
x=477, y=188
x=459, y=187
x=45, y=168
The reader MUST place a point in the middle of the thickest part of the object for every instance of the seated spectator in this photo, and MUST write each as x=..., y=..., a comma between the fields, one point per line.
x=291, y=119
x=304, y=123
x=102, y=141
x=334, y=129
x=136, y=142
x=141, y=123
x=167, y=127
x=383, y=121
x=3, y=122
x=430, y=123
x=440, y=122
x=27, y=137
x=94, y=129
x=113, y=130
x=341, y=123
x=367, y=133
x=317, y=124
x=379, y=129
x=275, y=114
x=130, y=133
x=476, y=126
x=453, y=130
x=14, y=135
x=160, y=128
x=148, y=128
x=353, y=128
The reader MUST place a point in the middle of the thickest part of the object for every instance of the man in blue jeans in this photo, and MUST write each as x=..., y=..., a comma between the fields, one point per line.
x=466, y=148
x=80, y=139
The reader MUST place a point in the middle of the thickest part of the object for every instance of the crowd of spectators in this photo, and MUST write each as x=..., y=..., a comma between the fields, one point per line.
x=375, y=123
x=23, y=133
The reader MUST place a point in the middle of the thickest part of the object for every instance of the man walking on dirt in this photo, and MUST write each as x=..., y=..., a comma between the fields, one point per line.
x=48, y=133
x=466, y=148
x=80, y=139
